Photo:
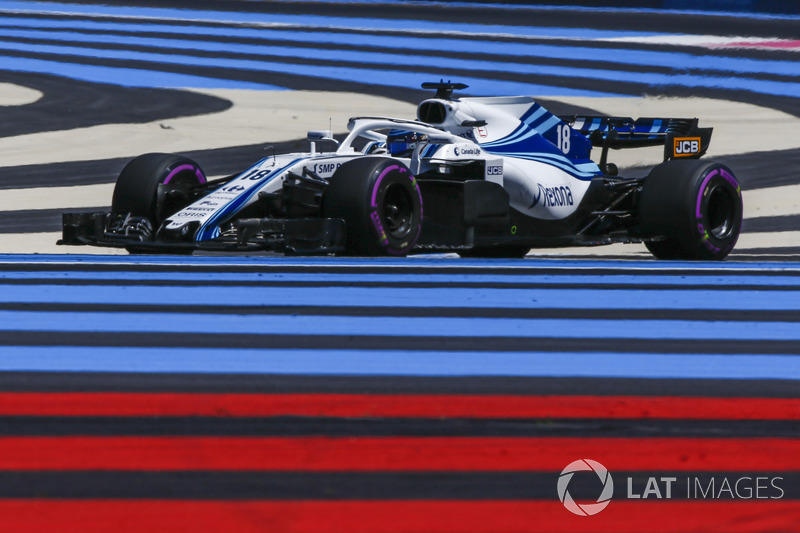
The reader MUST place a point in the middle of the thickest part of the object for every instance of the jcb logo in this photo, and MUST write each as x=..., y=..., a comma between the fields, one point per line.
x=686, y=146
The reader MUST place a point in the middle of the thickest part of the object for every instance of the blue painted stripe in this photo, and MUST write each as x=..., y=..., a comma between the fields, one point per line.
x=324, y=53
x=431, y=261
x=190, y=323
x=784, y=11
x=397, y=363
x=152, y=75
x=404, y=363
x=688, y=280
x=377, y=59
x=309, y=20
x=127, y=77
x=668, y=59
x=404, y=297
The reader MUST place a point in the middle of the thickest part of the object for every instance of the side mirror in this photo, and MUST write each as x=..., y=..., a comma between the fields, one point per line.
x=321, y=135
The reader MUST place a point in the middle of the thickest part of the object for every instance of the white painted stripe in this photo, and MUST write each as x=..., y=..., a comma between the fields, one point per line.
x=772, y=202
x=779, y=239
x=256, y=117
x=56, y=197
x=12, y=95
x=708, y=41
x=45, y=243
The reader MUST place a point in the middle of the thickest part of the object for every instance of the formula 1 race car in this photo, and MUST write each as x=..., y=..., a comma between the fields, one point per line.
x=477, y=176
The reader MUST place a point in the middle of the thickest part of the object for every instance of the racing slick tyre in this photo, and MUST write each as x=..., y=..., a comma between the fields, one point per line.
x=155, y=186
x=694, y=207
x=381, y=204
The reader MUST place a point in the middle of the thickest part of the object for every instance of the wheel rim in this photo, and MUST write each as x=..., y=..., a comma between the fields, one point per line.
x=397, y=213
x=720, y=211
x=176, y=194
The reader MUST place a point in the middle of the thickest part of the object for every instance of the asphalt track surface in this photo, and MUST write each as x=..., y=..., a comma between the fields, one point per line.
x=422, y=394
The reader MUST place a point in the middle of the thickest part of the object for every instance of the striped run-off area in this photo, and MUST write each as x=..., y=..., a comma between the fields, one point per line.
x=426, y=394
x=495, y=49
x=429, y=394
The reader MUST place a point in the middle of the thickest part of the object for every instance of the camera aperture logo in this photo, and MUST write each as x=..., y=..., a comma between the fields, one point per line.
x=585, y=509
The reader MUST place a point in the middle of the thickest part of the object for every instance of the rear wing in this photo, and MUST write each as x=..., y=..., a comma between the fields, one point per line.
x=681, y=137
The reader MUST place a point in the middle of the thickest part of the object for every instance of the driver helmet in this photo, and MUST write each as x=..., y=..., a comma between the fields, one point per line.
x=401, y=143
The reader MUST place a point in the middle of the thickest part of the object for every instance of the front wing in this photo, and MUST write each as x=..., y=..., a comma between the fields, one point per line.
x=301, y=236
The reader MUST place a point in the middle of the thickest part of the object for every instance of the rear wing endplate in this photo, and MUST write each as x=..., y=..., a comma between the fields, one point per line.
x=681, y=137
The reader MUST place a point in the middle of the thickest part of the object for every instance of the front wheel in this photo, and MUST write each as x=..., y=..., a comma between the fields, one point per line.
x=690, y=209
x=155, y=186
x=381, y=204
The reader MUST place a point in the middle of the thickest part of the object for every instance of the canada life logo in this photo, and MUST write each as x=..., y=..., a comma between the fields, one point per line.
x=585, y=509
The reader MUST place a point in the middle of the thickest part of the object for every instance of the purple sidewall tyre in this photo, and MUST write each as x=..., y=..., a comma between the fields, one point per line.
x=143, y=184
x=381, y=204
x=691, y=209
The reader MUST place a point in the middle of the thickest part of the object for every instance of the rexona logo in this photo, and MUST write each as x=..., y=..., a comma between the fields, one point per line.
x=553, y=197
x=686, y=146
x=585, y=509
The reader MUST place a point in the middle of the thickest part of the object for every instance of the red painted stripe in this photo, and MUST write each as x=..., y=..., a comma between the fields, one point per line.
x=777, y=43
x=90, y=516
x=376, y=405
x=394, y=453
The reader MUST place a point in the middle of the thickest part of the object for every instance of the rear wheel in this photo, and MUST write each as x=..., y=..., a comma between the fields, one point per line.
x=692, y=209
x=381, y=204
x=155, y=186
